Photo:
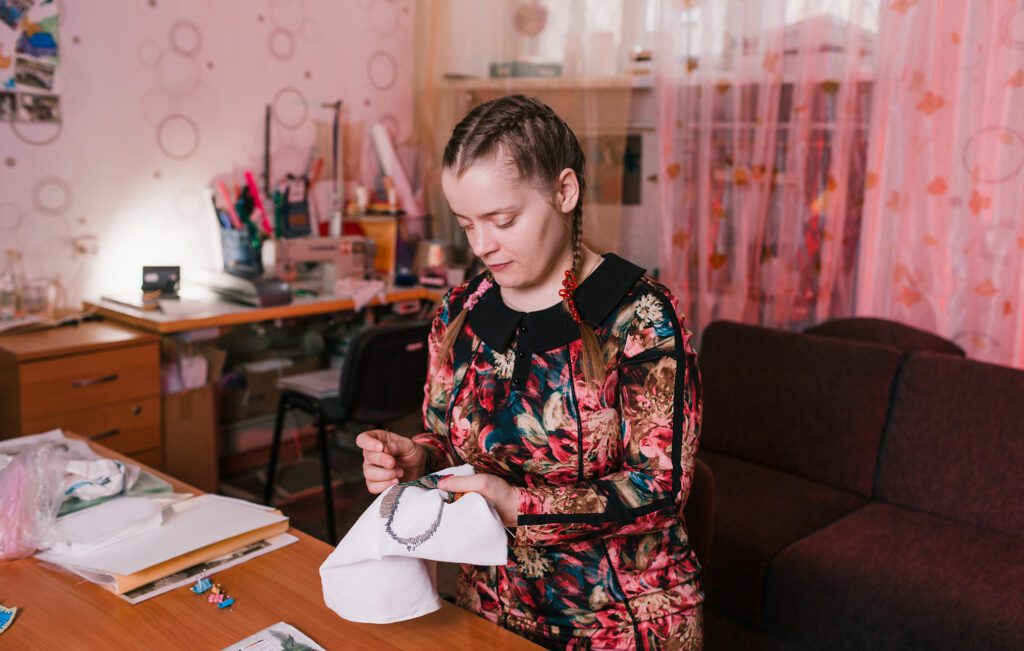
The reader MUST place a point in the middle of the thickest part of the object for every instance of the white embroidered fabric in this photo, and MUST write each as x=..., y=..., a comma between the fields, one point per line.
x=383, y=571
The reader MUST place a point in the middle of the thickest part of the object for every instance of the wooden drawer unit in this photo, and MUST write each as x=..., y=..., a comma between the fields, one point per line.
x=97, y=379
x=70, y=384
x=126, y=427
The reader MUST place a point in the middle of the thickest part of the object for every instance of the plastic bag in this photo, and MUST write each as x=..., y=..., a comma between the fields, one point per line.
x=30, y=495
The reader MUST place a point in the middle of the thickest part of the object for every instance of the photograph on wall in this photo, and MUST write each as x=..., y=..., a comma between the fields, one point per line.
x=29, y=45
x=28, y=72
x=11, y=11
x=38, y=39
x=8, y=106
x=38, y=108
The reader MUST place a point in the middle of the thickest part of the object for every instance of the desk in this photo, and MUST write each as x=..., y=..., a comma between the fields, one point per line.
x=201, y=439
x=99, y=379
x=58, y=611
x=221, y=314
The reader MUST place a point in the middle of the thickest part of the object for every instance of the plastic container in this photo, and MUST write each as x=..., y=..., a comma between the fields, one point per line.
x=11, y=284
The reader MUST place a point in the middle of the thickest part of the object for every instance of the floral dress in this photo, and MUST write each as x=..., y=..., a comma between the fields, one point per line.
x=600, y=557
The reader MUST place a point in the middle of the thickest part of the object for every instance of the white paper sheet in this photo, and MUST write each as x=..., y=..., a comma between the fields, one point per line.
x=278, y=637
x=188, y=525
x=109, y=523
x=319, y=384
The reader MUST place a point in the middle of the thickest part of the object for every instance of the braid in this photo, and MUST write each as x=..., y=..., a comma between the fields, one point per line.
x=591, y=357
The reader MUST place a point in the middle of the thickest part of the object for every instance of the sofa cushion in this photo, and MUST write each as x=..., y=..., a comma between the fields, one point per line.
x=808, y=405
x=955, y=445
x=886, y=577
x=758, y=512
x=891, y=333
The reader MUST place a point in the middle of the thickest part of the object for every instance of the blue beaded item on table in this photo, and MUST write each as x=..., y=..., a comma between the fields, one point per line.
x=6, y=617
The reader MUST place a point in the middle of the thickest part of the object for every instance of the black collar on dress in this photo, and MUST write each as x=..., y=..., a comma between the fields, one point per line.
x=596, y=297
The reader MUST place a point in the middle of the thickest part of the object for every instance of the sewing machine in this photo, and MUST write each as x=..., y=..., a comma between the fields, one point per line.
x=316, y=263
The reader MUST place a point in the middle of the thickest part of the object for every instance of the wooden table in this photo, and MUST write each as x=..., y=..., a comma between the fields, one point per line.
x=222, y=314
x=59, y=611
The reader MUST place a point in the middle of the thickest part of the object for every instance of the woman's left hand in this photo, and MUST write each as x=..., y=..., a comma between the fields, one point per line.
x=495, y=490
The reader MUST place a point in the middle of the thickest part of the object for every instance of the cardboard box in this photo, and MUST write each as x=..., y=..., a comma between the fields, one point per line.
x=383, y=230
x=259, y=396
x=190, y=437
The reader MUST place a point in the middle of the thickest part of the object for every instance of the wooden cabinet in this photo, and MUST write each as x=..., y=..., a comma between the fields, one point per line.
x=99, y=380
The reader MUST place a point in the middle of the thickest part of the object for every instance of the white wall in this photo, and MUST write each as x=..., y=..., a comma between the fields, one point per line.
x=161, y=96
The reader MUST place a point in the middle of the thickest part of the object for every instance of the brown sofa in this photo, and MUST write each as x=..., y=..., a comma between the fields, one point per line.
x=868, y=496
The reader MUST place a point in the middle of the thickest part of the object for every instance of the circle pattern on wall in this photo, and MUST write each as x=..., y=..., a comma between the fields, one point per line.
x=51, y=195
x=22, y=129
x=382, y=70
x=282, y=44
x=186, y=38
x=290, y=108
x=178, y=74
x=177, y=136
x=149, y=54
x=994, y=154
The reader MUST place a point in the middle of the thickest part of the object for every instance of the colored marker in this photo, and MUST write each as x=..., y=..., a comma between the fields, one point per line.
x=229, y=205
x=250, y=180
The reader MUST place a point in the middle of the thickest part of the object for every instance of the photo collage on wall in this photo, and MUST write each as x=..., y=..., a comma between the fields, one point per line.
x=29, y=59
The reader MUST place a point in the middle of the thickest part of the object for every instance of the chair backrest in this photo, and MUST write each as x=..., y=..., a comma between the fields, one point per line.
x=811, y=406
x=955, y=443
x=890, y=333
x=384, y=372
x=699, y=512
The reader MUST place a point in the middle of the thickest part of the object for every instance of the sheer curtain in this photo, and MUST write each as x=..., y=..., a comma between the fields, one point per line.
x=763, y=114
x=580, y=57
x=943, y=233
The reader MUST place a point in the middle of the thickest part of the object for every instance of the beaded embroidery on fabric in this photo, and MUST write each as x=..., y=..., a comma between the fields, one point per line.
x=389, y=507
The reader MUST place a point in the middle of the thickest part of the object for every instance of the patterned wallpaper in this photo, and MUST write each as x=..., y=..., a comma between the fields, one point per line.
x=160, y=97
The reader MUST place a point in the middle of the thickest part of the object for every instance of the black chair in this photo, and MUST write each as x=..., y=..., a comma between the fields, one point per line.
x=381, y=380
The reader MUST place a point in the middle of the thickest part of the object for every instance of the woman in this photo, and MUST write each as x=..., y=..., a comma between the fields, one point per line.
x=567, y=380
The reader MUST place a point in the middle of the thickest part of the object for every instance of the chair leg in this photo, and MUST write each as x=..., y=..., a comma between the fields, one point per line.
x=325, y=470
x=275, y=444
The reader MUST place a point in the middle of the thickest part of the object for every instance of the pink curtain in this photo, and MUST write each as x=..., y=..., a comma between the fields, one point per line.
x=762, y=123
x=942, y=246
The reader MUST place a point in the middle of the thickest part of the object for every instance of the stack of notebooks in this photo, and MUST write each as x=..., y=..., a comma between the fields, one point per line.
x=193, y=531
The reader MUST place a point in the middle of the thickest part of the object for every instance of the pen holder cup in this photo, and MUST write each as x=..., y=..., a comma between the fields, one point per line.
x=240, y=255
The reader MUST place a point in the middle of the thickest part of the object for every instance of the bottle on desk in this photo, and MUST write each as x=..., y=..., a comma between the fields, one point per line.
x=11, y=284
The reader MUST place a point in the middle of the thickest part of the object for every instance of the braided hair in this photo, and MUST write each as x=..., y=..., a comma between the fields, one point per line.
x=539, y=145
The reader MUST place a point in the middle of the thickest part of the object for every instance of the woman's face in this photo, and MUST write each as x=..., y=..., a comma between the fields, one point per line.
x=521, y=234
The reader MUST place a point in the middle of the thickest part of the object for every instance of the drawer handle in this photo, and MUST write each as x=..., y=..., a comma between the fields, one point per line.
x=106, y=435
x=78, y=384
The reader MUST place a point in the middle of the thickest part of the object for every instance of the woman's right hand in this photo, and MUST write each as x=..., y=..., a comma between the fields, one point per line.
x=389, y=458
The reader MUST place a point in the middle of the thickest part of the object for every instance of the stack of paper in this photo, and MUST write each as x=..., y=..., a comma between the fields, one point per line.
x=193, y=531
